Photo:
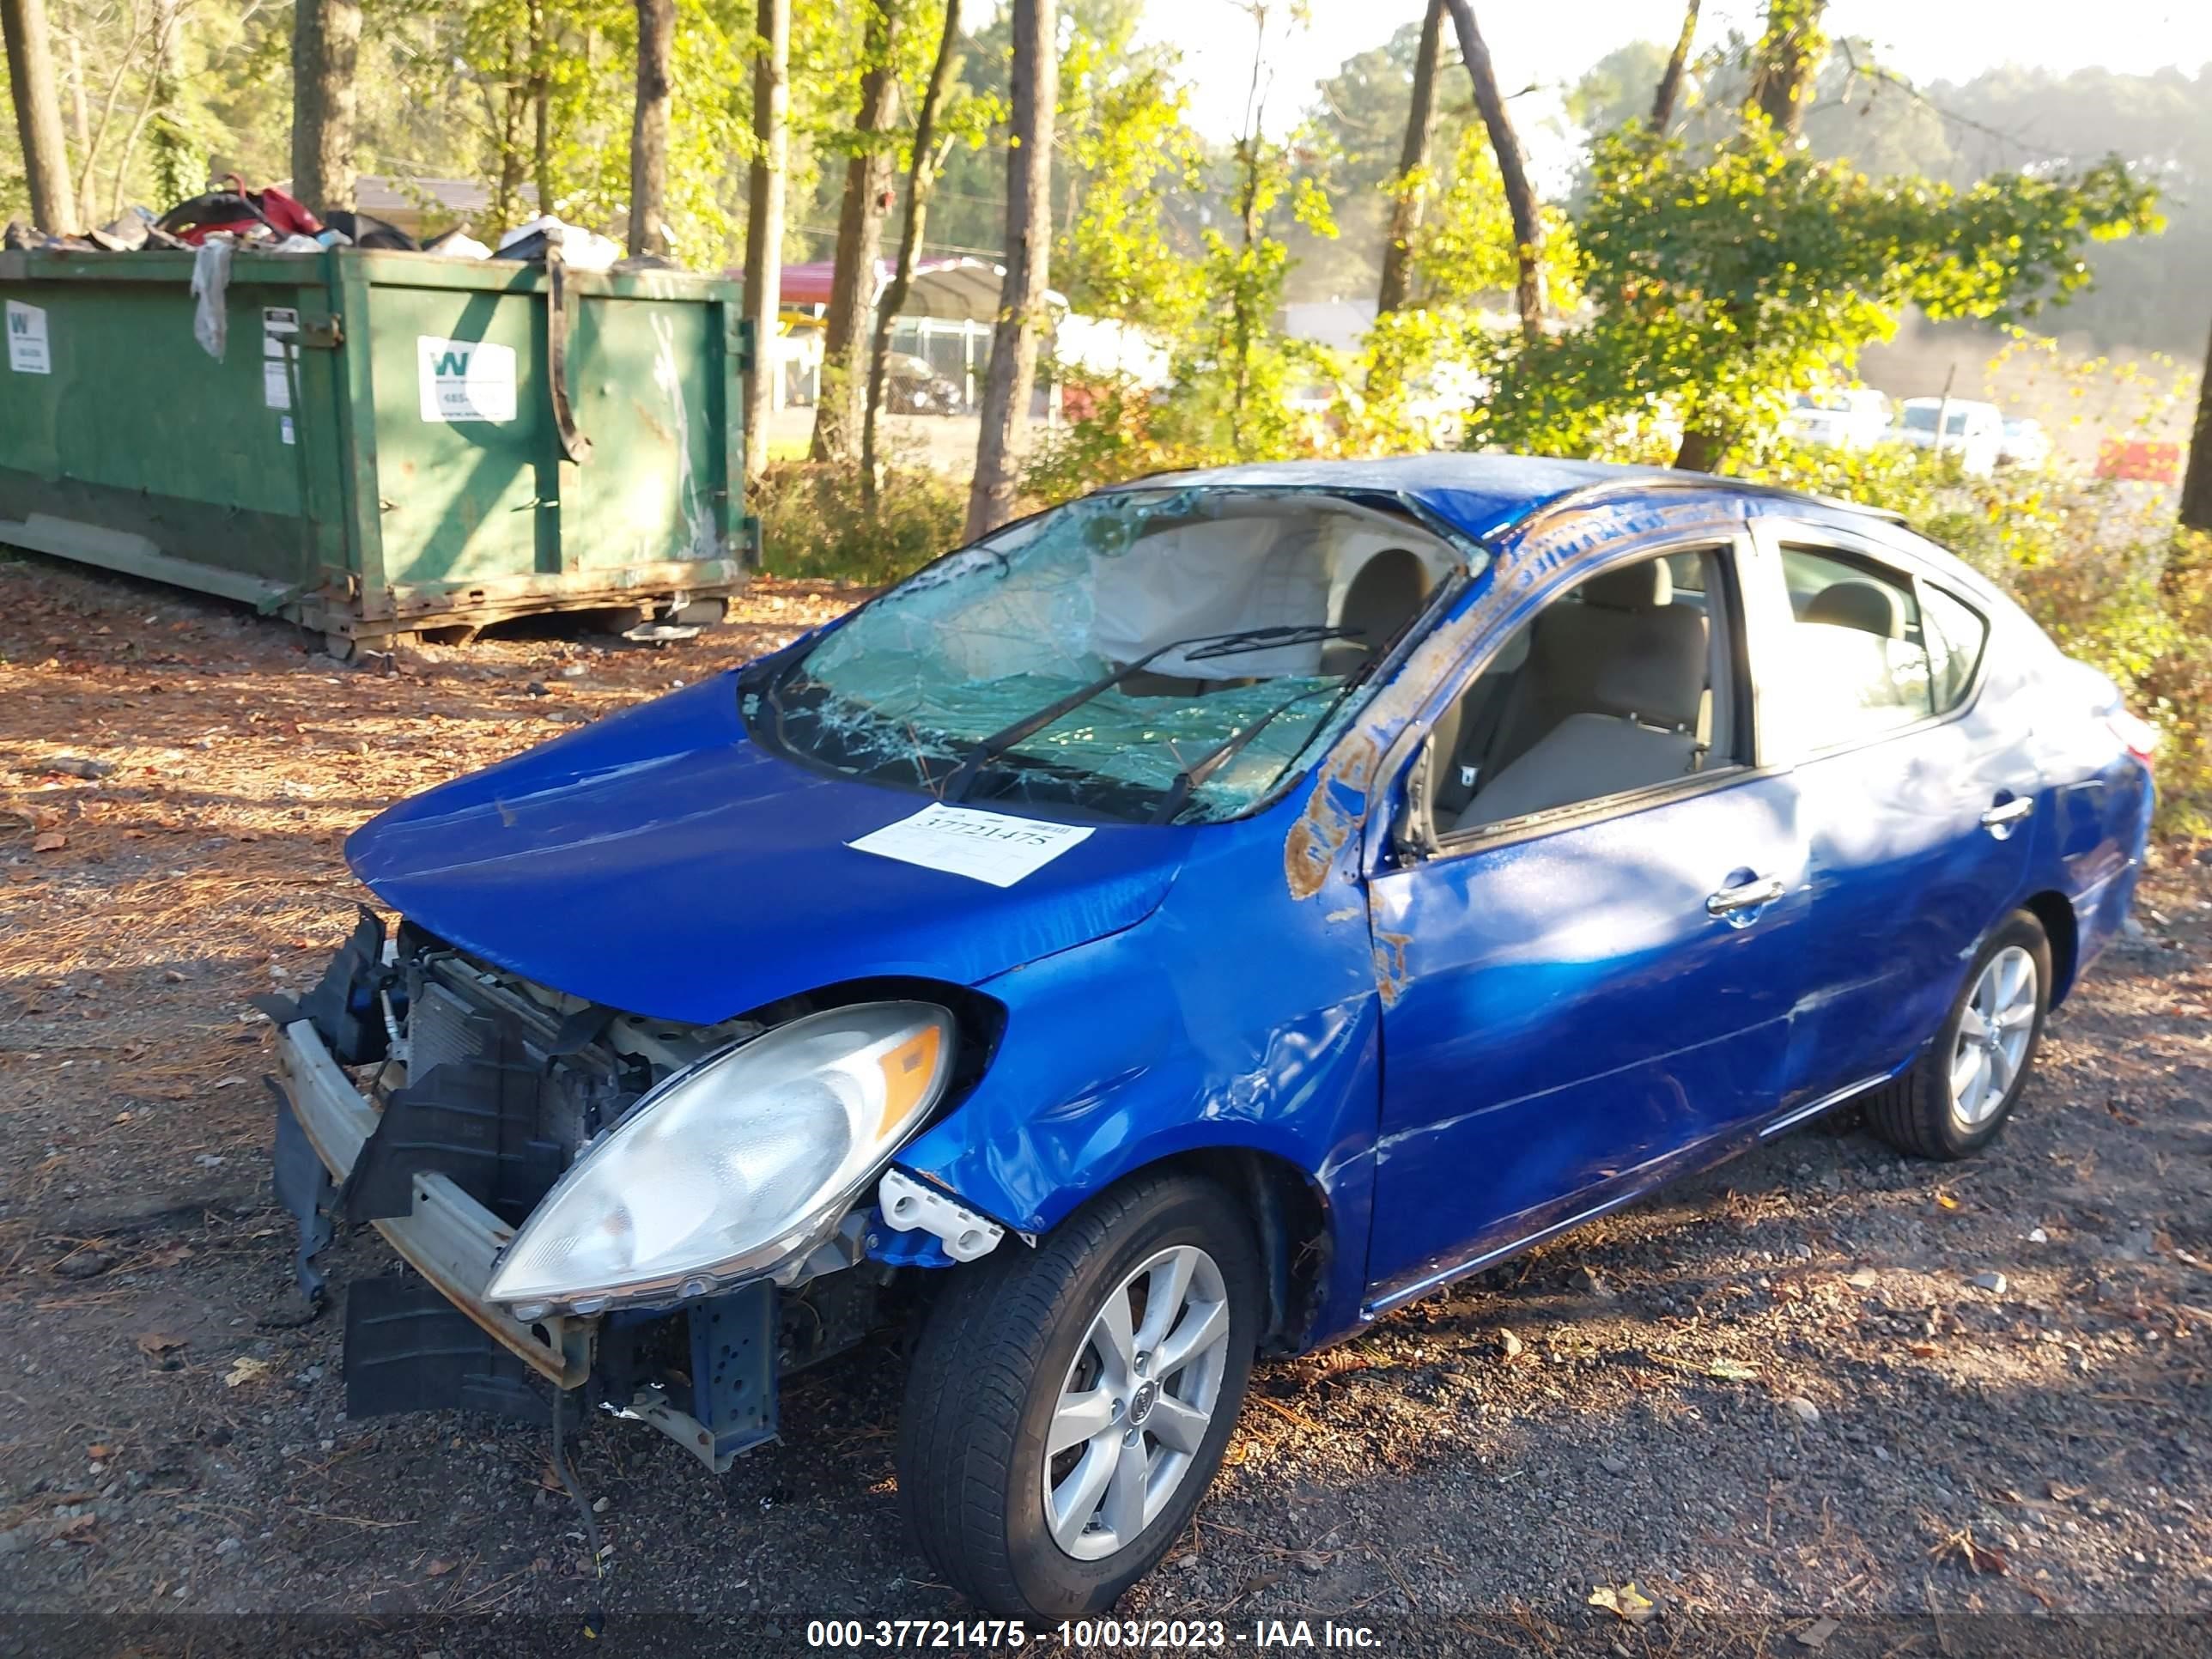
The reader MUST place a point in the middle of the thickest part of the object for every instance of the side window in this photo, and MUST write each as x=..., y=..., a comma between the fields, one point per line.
x=1625, y=682
x=1957, y=634
x=1856, y=664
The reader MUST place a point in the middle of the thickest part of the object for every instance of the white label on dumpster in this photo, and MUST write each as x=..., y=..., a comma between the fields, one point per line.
x=279, y=324
x=26, y=340
x=963, y=842
x=466, y=379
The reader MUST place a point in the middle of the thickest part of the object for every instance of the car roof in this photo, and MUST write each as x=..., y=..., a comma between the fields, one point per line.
x=1480, y=495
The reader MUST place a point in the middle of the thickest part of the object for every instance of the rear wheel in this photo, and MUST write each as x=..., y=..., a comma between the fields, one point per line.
x=1956, y=1096
x=1067, y=1406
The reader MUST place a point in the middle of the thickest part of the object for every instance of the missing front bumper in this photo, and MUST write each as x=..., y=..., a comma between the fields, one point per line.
x=449, y=1237
x=436, y=1343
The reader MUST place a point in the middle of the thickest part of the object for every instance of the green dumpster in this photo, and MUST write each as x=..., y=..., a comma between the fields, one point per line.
x=392, y=443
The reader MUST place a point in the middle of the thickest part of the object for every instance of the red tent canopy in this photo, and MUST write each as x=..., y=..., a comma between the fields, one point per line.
x=809, y=284
x=953, y=288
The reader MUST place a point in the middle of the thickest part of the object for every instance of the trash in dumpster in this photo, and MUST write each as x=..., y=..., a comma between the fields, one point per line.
x=211, y=288
x=242, y=212
x=456, y=244
x=581, y=249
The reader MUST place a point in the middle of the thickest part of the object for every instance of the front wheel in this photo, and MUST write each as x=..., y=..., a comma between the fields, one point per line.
x=1068, y=1406
x=1955, y=1099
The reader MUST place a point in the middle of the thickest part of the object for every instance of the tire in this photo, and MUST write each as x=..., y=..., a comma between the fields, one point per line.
x=1013, y=1334
x=1921, y=1112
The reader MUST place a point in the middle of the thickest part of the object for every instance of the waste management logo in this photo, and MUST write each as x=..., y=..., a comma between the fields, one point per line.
x=465, y=379
x=27, y=353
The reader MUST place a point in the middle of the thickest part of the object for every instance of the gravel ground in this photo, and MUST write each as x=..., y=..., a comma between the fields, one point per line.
x=1818, y=1401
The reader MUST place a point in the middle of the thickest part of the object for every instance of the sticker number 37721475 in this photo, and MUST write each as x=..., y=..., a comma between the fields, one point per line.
x=962, y=841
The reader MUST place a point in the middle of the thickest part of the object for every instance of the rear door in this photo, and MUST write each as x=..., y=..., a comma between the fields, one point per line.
x=1915, y=788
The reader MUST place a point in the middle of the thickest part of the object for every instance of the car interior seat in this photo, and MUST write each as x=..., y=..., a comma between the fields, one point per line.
x=1867, y=606
x=1387, y=594
x=1613, y=696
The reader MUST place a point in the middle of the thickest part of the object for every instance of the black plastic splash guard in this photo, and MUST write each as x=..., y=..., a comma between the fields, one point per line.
x=477, y=1121
x=343, y=1007
x=303, y=1187
x=407, y=1349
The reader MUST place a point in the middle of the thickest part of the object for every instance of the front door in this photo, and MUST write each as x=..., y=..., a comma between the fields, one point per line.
x=1591, y=975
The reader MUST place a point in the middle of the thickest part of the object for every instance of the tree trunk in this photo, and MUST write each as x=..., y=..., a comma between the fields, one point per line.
x=1012, y=374
x=509, y=108
x=838, y=415
x=1700, y=450
x=764, y=223
x=2196, y=482
x=39, y=115
x=80, y=129
x=648, y=130
x=1788, y=53
x=326, y=48
x=1670, y=84
x=921, y=180
x=1421, y=128
x=541, y=99
x=1520, y=199
x=174, y=168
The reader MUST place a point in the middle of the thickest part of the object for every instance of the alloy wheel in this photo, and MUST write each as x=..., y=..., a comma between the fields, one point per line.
x=1136, y=1403
x=1995, y=1027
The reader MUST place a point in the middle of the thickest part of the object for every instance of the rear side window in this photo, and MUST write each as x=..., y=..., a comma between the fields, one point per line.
x=1857, y=663
x=1957, y=634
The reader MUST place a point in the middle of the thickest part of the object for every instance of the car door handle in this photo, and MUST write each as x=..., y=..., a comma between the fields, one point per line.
x=1765, y=889
x=2008, y=812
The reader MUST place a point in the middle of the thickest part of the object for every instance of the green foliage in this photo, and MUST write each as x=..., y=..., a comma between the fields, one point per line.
x=1464, y=251
x=814, y=523
x=1121, y=258
x=1351, y=146
x=1721, y=283
x=1233, y=373
x=499, y=59
x=1415, y=379
x=2149, y=294
x=1618, y=88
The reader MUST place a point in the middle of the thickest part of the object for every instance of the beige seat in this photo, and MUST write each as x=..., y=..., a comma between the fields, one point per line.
x=1387, y=594
x=1593, y=655
x=1867, y=606
x=1613, y=699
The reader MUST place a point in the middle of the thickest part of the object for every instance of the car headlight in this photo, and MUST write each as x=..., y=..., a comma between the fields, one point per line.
x=731, y=1167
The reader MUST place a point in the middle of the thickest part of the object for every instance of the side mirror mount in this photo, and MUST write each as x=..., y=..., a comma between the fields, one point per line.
x=1412, y=831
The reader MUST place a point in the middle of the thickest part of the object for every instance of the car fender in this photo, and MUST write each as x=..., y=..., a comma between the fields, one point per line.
x=1234, y=1018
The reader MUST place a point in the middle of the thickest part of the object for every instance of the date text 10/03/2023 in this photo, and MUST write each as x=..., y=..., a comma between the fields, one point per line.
x=1085, y=1635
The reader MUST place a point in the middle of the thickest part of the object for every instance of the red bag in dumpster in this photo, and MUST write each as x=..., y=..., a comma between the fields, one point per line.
x=287, y=216
x=238, y=211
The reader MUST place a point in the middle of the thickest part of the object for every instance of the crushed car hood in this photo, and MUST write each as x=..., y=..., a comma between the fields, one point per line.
x=661, y=862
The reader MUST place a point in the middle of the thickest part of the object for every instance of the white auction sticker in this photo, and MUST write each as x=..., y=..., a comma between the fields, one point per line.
x=465, y=379
x=962, y=841
x=26, y=340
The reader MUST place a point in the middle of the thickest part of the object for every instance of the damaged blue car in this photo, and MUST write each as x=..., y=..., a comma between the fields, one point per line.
x=1179, y=927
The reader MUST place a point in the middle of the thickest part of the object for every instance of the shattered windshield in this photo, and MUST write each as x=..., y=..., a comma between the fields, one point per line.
x=1155, y=655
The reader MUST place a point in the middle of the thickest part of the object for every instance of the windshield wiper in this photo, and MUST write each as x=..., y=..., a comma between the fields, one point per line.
x=1200, y=647
x=1222, y=753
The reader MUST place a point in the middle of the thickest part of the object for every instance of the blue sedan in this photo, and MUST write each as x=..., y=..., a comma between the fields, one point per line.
x=1182, y=926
